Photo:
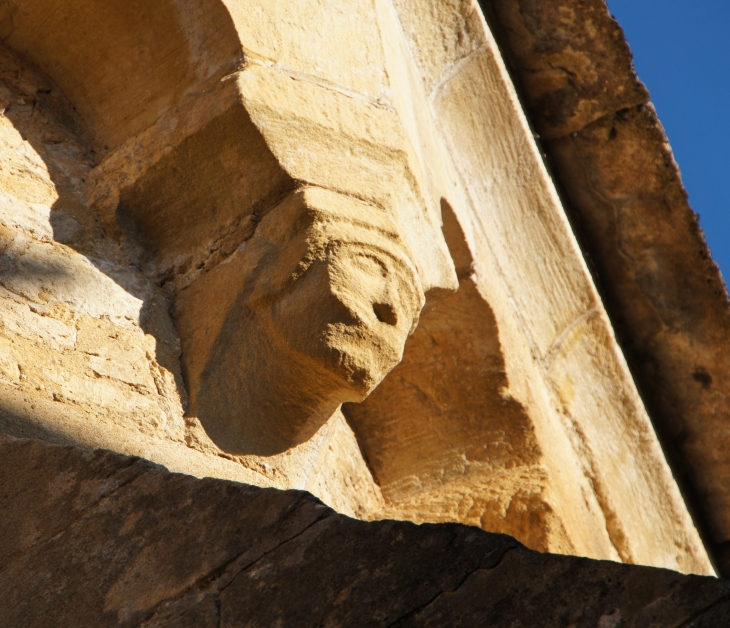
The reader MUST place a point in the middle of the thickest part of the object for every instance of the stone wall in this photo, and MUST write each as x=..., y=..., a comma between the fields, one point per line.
x=90, y=353
x=214, y=244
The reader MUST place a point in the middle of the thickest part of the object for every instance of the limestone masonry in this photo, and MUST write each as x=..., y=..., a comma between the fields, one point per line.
x=428, y=266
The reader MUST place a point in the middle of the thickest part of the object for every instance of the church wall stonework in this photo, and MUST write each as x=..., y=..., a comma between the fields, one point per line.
x=314, y=245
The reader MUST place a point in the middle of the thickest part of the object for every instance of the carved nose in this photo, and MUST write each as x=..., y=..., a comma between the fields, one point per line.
x=385, y=313
x=341, y=309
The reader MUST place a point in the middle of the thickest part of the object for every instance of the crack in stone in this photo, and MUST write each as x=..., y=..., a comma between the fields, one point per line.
x=297, y=75
x=415, y=611
x=698, y=614
x=454, y=69
x=225, y=245
x=324, y=517
x=218, y=610
x=218, y=579
x=554, y=349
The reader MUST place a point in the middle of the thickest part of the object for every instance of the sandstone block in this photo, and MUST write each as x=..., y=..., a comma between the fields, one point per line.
x=514, y=199
x=665, y=292
x=441, y=35
x=337, y=44
x=120, y=61
x=665, y=295
x=232, y=230
x=318, y=304
x=328, y=139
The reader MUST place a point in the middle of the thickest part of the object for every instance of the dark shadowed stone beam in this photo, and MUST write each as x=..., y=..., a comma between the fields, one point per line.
x=94, y=538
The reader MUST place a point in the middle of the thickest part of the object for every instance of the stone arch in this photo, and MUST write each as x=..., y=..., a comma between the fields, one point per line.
x=123, y=64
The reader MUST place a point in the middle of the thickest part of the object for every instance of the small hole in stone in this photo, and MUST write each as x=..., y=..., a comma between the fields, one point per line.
x=701, y=376
x=385, y=313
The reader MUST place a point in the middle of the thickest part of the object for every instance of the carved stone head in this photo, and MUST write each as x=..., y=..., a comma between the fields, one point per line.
x=315, y=310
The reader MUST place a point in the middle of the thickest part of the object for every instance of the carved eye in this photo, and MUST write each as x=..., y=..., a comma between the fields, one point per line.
x=385, y=313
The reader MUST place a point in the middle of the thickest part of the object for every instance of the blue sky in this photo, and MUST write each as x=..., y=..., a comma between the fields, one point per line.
x=682, y=54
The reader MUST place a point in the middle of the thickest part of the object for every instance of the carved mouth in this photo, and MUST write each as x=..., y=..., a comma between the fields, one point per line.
x=364, y=356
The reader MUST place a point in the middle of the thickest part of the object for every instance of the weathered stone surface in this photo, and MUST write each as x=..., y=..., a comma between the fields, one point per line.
x=458, y=450
x=100, y=539
x=199, y=267
x=664, y=293
x=668, y=298
x=120, y=60
x=88, y=351
x=129, y=547
x=549, y=317
x=571, y=59
x=343, y=263
x=529, y=589
x=442, y=34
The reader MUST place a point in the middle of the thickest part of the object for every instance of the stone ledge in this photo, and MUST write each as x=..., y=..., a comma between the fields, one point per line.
x=95, y=538
x=623, y=192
